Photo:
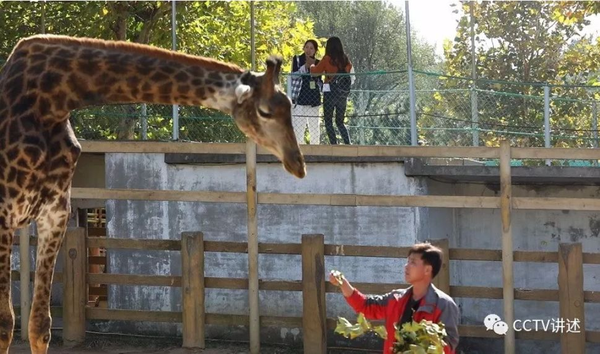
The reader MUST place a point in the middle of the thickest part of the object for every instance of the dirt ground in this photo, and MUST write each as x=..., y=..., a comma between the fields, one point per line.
x=23, y=348
x=132, y=345
x=128, y=345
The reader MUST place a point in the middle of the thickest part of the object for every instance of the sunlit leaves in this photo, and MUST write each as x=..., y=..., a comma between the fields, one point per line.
x=523, y=42
x=216, y=29
x=425, y=337
x=361, y=327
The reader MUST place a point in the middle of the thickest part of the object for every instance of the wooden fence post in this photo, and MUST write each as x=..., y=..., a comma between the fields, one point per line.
x=314, y=320
x=570, y=296
x=442, y=280
x=192, y=289
x=74, y=286
x=508, y=285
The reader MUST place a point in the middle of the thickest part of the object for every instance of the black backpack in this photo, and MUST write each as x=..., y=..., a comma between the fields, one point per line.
x=340, y=85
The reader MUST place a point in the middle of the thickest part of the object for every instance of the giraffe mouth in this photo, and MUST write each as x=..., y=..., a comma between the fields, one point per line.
x=294, y=164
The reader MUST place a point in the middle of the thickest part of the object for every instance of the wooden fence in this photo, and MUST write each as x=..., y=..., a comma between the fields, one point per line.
x=315, y=326
x=569, y=257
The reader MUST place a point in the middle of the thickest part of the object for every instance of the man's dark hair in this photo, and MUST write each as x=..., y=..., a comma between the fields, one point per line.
x=430, y=255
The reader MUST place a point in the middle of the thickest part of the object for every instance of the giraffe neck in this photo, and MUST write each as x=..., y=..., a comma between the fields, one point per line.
x=67, y=74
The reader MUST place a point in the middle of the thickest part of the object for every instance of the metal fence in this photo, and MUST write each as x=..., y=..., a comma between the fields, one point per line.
x=457, y=111
x=374, y=112
x=450, y=111
x=154, y=122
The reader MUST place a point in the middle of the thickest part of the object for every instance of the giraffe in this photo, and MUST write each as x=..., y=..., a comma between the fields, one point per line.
x=46, y=77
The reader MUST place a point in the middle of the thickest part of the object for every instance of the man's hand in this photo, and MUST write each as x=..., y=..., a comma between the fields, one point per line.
x=337, y=279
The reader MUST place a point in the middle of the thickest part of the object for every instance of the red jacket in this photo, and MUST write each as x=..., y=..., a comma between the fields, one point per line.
x=435, y=306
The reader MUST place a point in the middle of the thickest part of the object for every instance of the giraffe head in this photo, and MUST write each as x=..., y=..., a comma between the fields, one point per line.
x=264, y=113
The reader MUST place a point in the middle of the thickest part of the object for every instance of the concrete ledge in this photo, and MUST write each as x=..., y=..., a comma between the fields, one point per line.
x=556, y=175
x=216, y=159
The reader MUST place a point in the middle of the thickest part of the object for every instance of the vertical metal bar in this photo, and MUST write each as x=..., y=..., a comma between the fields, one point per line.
x=252, y=200
x=144, y=121
x=595, y=128
x=43, y=21
x=174, y=38
x=361, y=122
x=547, y=119
x=474, y=107
x=474, y=115
x=252, y=37
x=411, y=81
x=595, y=123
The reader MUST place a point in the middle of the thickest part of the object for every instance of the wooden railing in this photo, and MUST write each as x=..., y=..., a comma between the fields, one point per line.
x=570, y=300
x=313, y=251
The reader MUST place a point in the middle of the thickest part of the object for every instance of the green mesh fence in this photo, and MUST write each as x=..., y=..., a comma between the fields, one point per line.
x=450, y=111
x=374, y=112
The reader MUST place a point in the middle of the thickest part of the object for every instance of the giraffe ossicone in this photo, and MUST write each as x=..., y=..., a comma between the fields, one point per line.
x=46, y=77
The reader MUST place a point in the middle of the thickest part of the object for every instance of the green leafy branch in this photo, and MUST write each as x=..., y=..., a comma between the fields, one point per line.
x=425, y=337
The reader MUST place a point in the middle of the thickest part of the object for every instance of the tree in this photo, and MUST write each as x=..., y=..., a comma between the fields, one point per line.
x=521, y=42
x=374, y=37
x=220, y=30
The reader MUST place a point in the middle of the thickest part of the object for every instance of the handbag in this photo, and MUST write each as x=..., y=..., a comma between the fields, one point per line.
x=296, y=82
x=340, y=84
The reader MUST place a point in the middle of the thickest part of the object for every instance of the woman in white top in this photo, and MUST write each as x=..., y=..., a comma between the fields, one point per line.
x=307, y=104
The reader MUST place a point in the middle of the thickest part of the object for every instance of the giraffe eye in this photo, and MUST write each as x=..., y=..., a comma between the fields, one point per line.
x=263, y=113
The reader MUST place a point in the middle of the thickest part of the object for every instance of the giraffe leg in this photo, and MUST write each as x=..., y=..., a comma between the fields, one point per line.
x=7, y=315
x=51, y=229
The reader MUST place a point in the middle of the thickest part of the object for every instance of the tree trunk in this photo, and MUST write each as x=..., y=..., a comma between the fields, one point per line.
x=126, y=127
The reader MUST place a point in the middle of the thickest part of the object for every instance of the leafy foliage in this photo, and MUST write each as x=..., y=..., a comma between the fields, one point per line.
x=425, y=337
x=361, y=327
x=215, y=29
x=521, y=42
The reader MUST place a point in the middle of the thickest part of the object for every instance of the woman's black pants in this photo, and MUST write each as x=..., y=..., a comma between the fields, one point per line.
x=331, y=103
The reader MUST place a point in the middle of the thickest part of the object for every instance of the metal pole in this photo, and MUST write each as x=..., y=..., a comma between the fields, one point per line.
x=43, y=22
x=411, y=82
x=174, y=37
x=361, y=122
x=595, y=123
x=595, y=128
x=252, y=201
x=474, y=108
x=547, y=119
x=144, y=121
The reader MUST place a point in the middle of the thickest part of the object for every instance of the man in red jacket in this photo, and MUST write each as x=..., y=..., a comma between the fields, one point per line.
x=422, y=300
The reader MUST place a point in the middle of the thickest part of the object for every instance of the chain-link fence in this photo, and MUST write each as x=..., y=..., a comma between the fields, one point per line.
x=458, y=111
x=450, y=111
x=154, y=122
x=375, y=111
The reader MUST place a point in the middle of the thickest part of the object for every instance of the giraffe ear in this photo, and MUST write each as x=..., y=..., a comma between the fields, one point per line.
x=243, y=92
x=278, y=62
x=271, y=77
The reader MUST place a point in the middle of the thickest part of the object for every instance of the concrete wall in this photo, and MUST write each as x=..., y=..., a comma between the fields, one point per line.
x=381, y=226
x=384, y=226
